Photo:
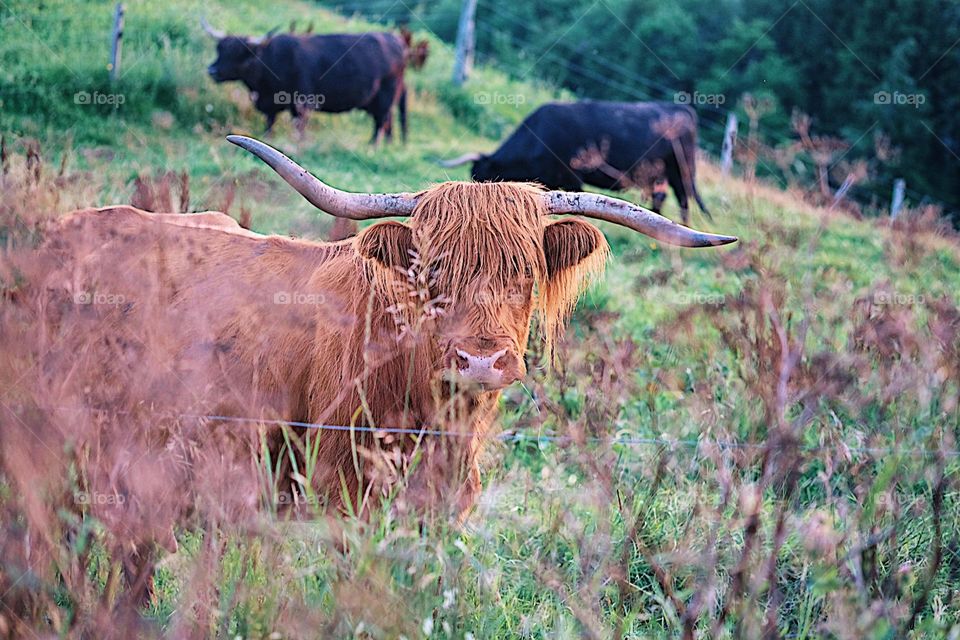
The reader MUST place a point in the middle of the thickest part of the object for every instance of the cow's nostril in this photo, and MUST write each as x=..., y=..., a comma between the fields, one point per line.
x=497, y=361
x=461, y=359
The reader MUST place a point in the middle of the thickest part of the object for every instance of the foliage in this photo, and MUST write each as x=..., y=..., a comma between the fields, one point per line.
x=831, y=60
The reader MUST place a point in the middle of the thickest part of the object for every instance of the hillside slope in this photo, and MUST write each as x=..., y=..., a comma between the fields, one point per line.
x=827, y=336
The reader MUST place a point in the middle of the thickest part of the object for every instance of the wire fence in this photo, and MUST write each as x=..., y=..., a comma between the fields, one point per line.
x=517, y=437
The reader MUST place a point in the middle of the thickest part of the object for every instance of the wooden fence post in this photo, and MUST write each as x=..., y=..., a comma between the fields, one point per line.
x=899, y=190
x=729, y=140
x=115, y=42
x=463, y=62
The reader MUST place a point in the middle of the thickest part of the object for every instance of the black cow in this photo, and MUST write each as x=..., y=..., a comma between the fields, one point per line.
x=332, y=73
x=611, y=145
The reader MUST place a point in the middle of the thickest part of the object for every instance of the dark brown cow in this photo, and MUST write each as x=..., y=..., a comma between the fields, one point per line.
x=410, y=325
x=611, y=145
x=332, y=73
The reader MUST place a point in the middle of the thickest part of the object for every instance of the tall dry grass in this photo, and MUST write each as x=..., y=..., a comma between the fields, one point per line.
x=779, y=463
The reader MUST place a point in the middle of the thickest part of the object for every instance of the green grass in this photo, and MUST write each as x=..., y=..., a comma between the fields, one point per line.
x=535, y=560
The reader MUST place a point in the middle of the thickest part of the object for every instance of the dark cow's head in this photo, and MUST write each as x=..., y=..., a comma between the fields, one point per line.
x=485, y=168
x=236, y=55
x=417, y=52
x=488, y=252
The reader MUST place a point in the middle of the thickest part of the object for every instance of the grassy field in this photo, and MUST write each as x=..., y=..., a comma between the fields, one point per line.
x=761, y=439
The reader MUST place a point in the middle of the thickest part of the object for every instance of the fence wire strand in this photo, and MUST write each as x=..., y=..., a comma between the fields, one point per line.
x=516, y=437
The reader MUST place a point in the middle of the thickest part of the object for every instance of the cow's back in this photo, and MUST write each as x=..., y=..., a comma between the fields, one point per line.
x=347, y=70
x=566, y=127
x=624, y=134
x=195, y=310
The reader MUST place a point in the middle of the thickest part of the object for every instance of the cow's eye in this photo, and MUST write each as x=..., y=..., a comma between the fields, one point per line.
x=518, y=292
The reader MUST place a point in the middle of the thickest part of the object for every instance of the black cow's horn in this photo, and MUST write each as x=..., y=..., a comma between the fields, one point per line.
x=213, y=33
x=594, y=205
x=256, y=42
x=464, y=159
x=342, y=204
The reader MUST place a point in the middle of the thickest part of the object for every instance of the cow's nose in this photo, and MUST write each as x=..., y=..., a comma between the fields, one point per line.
x=212, y=71
x=489, y=370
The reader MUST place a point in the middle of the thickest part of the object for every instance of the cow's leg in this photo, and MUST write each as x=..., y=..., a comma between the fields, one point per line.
x=658, y=194
x=382, y=110
x=377, y=128
x=402, y=112
x=388, y=127
x=138, y=567
x=303, y=117
x=271, y=118
x=675, y=179
x=468, y=494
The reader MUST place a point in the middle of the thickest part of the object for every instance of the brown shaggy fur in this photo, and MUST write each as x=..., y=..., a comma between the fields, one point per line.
x=183, y=316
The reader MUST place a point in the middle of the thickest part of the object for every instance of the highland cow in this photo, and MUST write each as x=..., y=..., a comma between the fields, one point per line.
x=400, y=340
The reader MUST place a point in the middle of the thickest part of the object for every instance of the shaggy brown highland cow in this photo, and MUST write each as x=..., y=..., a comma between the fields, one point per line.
x=190, y=325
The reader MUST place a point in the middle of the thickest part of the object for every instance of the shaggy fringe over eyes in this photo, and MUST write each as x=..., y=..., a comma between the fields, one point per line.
x=488, y=234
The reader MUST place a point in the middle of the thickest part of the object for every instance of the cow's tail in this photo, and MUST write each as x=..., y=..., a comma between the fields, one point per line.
x=402, y=109
x=703, y=207
x=691, y=159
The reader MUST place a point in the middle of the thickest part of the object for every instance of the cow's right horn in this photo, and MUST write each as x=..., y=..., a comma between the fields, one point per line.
x=627, y=214
x=356, y=206
x=464, y=159
x=213, y=33
x=256, y=42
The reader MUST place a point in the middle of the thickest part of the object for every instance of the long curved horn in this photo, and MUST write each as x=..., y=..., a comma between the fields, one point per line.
x=594, y=205
x=464, y=159
x=213, y=33
x=342, y=204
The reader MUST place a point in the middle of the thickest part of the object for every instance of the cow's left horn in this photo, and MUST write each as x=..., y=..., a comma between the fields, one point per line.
x=213, y=33
x=464, y=159
x=356, y=206
x=594, y=205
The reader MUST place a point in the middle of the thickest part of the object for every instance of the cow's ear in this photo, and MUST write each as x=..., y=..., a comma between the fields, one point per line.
x=567, y=243
x=389, y=243
x=576, y=253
